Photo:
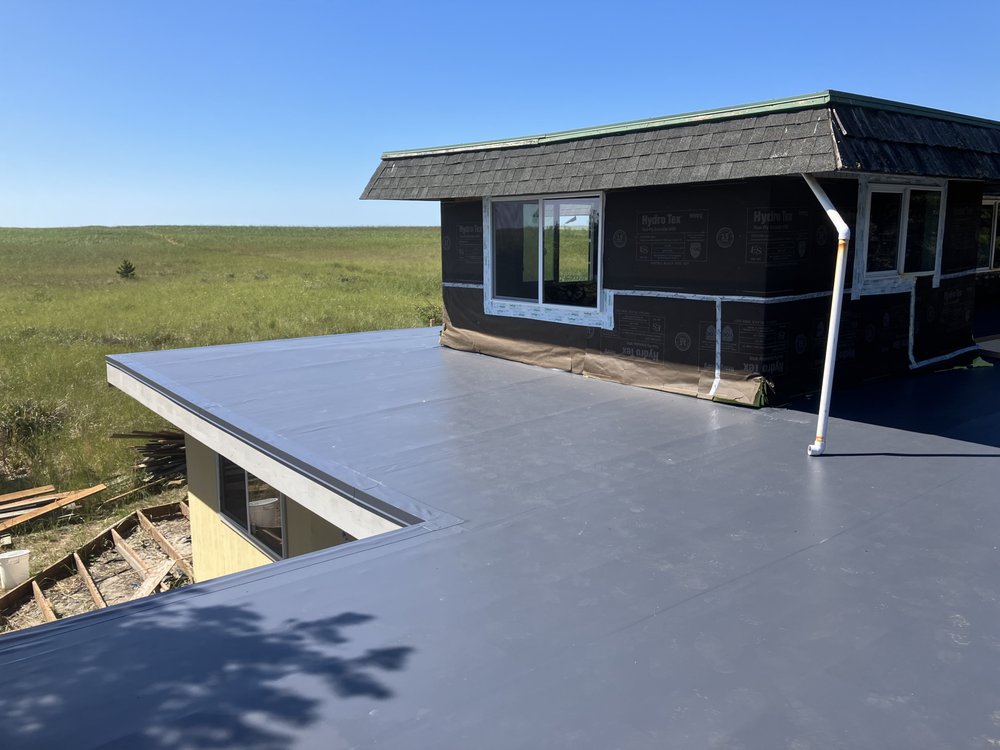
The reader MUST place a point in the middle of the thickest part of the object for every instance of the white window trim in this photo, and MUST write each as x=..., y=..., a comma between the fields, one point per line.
x=991, y=200
x=245, y=531
x=890, y=282
x=600, y=317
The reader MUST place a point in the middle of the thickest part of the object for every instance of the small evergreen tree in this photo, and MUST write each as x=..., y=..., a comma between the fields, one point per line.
x=126, y=270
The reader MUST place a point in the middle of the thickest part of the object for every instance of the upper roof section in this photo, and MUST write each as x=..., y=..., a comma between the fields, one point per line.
x=824, y=132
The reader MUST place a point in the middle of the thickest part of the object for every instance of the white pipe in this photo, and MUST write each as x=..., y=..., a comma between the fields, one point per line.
x=843, y=236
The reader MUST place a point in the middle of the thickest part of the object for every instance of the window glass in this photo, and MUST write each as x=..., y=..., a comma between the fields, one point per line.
x=264, y=504
x=515, y=249
x=922, y=230
x=883, y=231
x=570, y=251
x=985, y=235
x=252, y=504
x=234, y=491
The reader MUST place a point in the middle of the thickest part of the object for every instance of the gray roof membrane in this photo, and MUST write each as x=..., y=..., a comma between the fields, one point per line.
x=628, y=569
x=874, y=137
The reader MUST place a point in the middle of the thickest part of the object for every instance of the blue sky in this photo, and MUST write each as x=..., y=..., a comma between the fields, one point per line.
x=276, y=112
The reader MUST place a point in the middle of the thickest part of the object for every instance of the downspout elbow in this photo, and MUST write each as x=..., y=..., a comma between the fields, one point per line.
x=830, y=361
x=843, y=231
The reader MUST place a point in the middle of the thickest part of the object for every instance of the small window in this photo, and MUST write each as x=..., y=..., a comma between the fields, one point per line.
x=904, y=229
x=253, y=506
x=546, y=251
x=515, y=243
x=988, y=251
x=569, y=245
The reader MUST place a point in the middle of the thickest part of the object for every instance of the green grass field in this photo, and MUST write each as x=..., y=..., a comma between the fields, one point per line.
x=63, y=307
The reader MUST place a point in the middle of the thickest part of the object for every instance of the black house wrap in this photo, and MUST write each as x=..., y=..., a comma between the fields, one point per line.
x=714, y=260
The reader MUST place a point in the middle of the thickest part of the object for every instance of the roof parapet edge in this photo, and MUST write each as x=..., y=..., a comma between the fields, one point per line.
x=859, y=100
x=807, y=101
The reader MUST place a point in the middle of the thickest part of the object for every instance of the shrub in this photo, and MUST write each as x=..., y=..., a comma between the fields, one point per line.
x=430, y=313
x=23, y=424
x=126, y=270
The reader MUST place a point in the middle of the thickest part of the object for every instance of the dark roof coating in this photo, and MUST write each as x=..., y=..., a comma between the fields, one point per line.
x=825, y=132
x=630, y=569
x=888, y=142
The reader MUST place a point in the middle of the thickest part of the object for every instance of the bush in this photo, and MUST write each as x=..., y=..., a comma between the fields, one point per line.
x=23, y=424
x=430, y=313
x=126, y=270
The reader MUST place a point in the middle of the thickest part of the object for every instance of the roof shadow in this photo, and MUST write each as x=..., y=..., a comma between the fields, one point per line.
x=225, y=677
x=959, y=404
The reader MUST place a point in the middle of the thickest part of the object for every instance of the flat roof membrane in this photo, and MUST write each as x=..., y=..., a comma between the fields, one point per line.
x=625, y=568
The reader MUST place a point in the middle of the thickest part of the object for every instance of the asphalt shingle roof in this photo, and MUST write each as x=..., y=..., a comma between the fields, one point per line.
x=822, y=133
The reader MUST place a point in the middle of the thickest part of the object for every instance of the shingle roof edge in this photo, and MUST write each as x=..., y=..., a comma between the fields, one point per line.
x=807, y=101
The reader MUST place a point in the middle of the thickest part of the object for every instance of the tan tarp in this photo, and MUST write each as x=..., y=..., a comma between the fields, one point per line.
x=579, y=350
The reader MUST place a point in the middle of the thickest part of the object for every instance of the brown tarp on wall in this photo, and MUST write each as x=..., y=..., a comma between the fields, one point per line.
x=647, y=332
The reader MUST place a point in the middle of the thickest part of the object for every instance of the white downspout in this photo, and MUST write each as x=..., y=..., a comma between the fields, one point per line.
x=843, y=236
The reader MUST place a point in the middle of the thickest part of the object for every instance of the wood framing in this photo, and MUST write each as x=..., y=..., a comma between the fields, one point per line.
x=95, y=593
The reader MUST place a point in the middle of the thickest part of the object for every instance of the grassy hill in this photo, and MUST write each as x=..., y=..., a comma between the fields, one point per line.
x=63, y=307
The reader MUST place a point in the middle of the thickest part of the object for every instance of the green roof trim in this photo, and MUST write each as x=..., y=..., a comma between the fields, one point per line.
x=842, y=97
x=807, y=101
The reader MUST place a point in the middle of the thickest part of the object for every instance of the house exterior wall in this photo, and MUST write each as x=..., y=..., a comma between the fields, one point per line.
x=759, y=255
x=216, y=547
x=219, y=549
x=307, y=532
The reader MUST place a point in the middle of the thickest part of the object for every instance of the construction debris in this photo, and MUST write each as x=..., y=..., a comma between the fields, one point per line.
x=18, y=507
x=147, y=551
x=162, y=456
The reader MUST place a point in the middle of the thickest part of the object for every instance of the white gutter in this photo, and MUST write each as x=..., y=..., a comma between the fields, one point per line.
x=843, y=236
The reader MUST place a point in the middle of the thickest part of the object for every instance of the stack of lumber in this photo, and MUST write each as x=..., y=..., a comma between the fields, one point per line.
x=26, y=505
x=161, y=456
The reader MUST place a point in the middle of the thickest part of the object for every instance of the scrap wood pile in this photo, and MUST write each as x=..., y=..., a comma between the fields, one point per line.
x=162, y=454
x=146, y=552
x=19, y=507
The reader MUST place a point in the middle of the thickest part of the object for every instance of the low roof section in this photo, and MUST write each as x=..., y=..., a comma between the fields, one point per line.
x=622, y=568
x=827, y=132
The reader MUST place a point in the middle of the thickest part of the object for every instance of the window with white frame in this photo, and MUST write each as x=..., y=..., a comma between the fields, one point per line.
x=905, y=229
x=254, y=507
x=547, y=251
x=988, y=253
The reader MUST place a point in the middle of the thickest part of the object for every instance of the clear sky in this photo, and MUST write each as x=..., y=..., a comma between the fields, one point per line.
x=276, y=111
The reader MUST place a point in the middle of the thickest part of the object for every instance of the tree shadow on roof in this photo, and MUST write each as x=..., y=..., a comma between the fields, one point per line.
x=959, y=404
x=184, y=677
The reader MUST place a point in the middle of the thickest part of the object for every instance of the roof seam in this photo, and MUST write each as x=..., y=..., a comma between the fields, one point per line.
x=833, y=137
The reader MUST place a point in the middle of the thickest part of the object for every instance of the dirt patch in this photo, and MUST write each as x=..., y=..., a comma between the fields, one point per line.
x=69, y=596
x=114, y=577
x=177, y=531
x=27, y=616
x=145, y=547
x=175, y=579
